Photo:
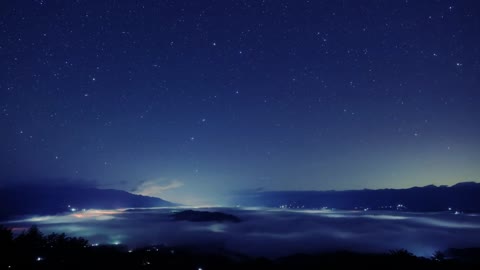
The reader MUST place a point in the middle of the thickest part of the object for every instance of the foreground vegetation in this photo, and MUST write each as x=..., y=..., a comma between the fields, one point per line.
x=33, y=250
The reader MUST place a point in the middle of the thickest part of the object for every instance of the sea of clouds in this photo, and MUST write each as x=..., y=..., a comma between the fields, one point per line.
x=270, y=232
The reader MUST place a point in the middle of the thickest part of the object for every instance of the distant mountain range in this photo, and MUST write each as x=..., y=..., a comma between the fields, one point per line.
x=15, y=201
x=462, y=197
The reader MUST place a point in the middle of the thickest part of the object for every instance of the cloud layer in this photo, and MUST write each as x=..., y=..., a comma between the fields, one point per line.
x=156, y=188
x=274, y=233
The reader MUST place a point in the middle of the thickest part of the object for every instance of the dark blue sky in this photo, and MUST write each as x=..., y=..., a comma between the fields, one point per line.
x=189, y=100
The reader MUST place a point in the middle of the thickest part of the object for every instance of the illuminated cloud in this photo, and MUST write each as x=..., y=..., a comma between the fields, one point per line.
x=156, y=188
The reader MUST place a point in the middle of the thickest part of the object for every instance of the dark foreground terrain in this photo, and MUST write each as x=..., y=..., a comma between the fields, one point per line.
x=33, y=250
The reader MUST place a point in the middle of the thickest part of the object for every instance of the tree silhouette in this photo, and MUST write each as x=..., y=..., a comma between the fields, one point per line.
x=439, y=256
x=6, y=246
x=33, y=250
x=401, y=253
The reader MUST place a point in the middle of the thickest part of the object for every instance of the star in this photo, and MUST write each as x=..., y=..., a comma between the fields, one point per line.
x=304, y=88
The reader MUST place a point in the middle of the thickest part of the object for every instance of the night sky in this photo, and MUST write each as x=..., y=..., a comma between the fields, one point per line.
x=191, y=100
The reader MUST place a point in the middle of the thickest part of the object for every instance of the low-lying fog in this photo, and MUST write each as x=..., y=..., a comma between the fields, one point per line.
x=268, y=232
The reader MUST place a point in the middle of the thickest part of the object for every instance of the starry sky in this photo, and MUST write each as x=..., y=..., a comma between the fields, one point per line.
x=192, y=100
